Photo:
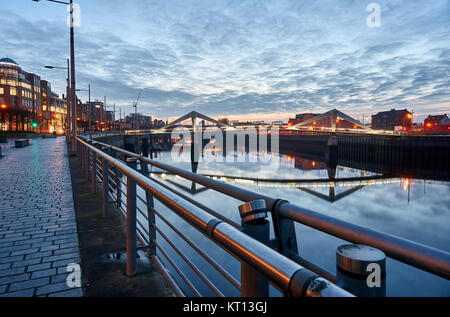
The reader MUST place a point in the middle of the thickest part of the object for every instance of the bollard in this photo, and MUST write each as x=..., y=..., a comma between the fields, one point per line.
x=105, y=183
x=94, y=173
x=131, y=221
x=255, y=225
x=361, y=270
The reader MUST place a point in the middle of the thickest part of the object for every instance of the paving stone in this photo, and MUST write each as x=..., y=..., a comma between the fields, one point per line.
x=14, y=271
x=22, y=293
x=38, y=230
x=76, y=292
x=26, y=262
x=14, y=278
x=52, y=288
x=38, y=267
x=43, y=273
x=29, y=284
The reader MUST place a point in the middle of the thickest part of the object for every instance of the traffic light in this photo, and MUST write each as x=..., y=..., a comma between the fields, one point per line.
x=35, y=125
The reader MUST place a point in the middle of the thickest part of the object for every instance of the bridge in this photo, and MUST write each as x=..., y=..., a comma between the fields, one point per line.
x=329, y=122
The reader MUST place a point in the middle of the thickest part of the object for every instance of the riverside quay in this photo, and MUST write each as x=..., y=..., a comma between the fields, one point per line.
x=265, y=152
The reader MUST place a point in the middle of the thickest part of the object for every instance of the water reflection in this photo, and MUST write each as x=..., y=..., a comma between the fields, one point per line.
x=414, y=209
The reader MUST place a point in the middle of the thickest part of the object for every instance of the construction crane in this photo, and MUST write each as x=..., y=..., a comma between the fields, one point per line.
x=135, y=104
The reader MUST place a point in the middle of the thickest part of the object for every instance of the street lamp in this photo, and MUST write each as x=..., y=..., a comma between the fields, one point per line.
x=72, y=70
x=68, y=121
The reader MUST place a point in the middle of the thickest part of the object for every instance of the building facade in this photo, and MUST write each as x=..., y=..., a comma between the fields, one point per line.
x=439, y=123
x=27, y=102
x=392, y=120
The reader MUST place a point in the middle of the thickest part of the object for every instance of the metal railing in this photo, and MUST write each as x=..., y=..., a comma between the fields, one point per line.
x=284, y=274
x=262, y=257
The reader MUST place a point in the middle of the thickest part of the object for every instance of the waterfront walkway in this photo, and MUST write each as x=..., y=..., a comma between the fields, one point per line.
x=38, y=230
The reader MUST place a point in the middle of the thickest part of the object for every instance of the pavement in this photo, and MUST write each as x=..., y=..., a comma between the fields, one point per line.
x=103, y=247
x=39, y=245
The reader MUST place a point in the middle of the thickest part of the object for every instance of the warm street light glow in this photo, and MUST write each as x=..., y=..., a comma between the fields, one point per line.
x=409, y=116
x=3, y=106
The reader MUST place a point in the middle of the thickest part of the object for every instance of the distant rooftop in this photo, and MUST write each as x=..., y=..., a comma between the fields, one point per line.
x=8, y=60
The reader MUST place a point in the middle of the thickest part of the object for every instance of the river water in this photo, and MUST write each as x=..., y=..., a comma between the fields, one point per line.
x=413, y=209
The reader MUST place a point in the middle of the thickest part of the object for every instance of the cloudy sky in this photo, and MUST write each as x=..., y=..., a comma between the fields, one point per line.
x=252, y=59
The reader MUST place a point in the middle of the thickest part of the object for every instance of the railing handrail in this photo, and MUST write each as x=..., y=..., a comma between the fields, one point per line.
x=418, y=255
x=288, y=275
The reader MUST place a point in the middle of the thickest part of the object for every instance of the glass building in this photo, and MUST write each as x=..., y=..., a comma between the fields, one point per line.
x=27, y=103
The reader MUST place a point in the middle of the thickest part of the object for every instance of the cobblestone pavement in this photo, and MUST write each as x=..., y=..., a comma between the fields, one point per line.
x=38, y=230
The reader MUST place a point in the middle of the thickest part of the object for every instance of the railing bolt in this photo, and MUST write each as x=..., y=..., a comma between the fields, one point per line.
x=361, y=270
x=254, y=224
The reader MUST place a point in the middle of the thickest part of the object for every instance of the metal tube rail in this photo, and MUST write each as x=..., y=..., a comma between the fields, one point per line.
x=178, y=270
x=205, y=208
x=167, y=276
x=213, y=263
x=421, y=256
x=294, y=279
x=202, y=276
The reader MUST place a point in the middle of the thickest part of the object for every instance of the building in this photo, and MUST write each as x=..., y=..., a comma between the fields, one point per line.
x=96, y=110
x=28, y=103
x=394, y=120
x=143, y=122
x=439, y=123
x=53, y=113
x=20, y=99
x=300, y=118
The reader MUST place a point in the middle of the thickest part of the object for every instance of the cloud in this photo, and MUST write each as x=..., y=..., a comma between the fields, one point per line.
x=238, y=58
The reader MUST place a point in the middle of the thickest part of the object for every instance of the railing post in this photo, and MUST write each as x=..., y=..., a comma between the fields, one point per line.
x=131, y=221
x=284, y=231
x=105, y=181
x=150, y=204
x=118, y=183
x=82, y=155
x=254, y=224
x=361, y=270
x=87, y=162
x=94, y=173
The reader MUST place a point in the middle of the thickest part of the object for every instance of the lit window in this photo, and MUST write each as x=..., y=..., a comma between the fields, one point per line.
x=2, y=91
x=13, y=91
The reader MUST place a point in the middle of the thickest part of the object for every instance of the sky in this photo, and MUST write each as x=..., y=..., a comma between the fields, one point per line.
x=241, y=59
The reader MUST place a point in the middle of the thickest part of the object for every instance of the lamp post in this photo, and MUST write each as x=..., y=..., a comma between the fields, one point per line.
x=68, y=117
x=72, y=70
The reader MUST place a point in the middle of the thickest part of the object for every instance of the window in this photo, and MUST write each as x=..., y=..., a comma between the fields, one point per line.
x=2, y=91
x=13, y=91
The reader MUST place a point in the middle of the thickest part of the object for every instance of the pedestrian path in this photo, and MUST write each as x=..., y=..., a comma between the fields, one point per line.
x=39, y=246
